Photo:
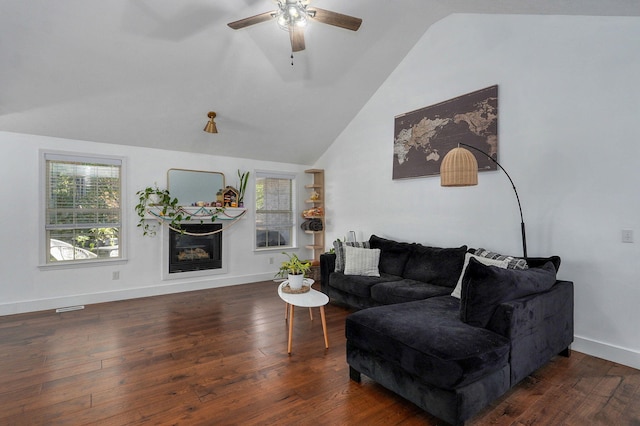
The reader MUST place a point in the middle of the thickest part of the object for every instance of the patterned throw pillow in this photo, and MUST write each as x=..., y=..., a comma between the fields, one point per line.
x=339, y=247
x=504, y=263
x=513, y=262
x=361, y=261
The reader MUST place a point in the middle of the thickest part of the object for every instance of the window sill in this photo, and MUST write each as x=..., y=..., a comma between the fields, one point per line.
x=272, y=249
x=69, y=264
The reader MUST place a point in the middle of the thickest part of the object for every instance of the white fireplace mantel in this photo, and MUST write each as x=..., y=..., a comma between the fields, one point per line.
x=204, y=214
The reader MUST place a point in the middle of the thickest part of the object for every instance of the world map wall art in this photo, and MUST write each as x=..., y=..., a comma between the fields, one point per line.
x=424, y=136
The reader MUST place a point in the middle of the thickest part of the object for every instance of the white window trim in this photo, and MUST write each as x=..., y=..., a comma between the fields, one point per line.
x=43, y=250
x=294, y=203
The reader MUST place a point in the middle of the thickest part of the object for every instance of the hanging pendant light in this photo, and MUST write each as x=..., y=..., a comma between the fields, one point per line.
x=211, y=125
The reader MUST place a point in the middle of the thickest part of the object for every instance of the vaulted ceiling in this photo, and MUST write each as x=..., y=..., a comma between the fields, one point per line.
x=147, y=72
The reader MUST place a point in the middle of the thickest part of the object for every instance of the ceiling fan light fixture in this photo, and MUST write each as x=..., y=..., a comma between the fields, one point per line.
x=290, y=14
x=293, y=12
x=283, y=22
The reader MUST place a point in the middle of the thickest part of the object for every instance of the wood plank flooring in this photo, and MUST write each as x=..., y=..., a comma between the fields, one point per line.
x=219, y=357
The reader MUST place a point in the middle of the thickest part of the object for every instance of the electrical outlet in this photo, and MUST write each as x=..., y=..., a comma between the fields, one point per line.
x=115, y=275
x=627, y=235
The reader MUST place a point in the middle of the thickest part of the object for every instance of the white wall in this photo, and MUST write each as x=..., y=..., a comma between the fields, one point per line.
x=26, y=287
x=569, y=135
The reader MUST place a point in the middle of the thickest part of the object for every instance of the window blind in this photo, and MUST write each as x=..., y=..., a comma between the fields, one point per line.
x=83, y=206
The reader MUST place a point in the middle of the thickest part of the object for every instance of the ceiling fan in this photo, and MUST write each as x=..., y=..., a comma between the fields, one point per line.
x=292, y=16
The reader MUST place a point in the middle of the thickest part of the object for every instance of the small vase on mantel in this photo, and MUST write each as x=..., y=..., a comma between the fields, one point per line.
x=295, y=281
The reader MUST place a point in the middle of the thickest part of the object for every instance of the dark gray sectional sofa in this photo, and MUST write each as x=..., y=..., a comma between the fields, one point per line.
x=451, y=357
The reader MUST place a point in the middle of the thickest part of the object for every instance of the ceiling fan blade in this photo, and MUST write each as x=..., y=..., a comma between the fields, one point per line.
x=336, y=19
x=242, y=23
x=297, y=39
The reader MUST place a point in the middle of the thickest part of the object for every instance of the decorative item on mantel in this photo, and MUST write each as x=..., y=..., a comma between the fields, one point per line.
x=230, y=197
x=242, y=186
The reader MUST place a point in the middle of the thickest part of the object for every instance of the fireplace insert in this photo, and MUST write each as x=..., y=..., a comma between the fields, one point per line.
x=198, y=248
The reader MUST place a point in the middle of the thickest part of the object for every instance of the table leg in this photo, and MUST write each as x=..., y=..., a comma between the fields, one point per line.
x=324, y=327
x=290, y=329
x=310, y=314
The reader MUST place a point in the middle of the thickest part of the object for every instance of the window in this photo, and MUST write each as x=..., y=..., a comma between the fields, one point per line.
x=83, y=208
x=274, y=210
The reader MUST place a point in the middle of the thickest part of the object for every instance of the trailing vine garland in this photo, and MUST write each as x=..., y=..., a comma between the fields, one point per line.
x=235, y=219
x=168, y=211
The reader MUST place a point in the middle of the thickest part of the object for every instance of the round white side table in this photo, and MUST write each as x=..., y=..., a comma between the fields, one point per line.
x=310, y=299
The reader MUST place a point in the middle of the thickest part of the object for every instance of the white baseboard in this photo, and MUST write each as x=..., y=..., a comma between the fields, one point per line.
x=167, y=287
x=607, y=351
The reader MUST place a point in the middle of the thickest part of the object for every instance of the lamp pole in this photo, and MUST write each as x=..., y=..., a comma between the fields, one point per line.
x=524, y=236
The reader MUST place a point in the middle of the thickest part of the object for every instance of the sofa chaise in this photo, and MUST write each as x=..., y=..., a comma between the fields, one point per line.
x=451, y=355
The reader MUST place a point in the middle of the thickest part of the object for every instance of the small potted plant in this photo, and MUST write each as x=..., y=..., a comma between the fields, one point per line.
x=242, y=187
x=152, y=196
x=294, y=269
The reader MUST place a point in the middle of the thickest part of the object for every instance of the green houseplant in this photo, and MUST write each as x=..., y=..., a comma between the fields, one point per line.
x=167, y=208
x=294, y=269
x=242, y=187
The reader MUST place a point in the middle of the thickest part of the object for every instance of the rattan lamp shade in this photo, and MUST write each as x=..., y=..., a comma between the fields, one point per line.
x=459, y=168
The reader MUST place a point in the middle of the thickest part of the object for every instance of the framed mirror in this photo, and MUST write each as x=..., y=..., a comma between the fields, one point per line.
x=191, y=186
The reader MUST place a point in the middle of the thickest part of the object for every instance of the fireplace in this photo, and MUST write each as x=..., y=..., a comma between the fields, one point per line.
x=199, y=248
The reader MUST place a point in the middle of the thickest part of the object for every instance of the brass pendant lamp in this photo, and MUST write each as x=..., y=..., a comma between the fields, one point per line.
x=211, y=125
x=460, y=168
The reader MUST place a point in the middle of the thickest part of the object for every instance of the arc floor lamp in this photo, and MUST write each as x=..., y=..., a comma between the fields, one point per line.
x=460, y=168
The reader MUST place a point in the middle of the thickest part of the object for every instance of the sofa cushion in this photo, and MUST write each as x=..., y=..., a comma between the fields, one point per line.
x=485, y=287
x=484, y=260
x=361, y=261
x=536, y=262
x=426, y=338
x=405, y=290
x=439, y=266
x=339, y=248
x=393, y=256
x=358, y=285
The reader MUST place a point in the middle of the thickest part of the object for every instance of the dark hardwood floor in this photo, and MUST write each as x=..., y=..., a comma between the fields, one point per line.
x=219, y=357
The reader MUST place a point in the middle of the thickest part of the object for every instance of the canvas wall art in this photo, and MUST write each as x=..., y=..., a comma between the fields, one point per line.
x=424, y=136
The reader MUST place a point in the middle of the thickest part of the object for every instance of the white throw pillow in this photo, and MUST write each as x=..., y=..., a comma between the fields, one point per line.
x=361, y=261
x=485, y=261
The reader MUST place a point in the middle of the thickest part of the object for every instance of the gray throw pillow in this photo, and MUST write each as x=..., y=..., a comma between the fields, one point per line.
x=339, y=248
x=361, y=261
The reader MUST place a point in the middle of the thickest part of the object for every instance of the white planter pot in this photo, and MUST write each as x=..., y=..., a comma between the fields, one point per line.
x=154, y=200
x=295, y=281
